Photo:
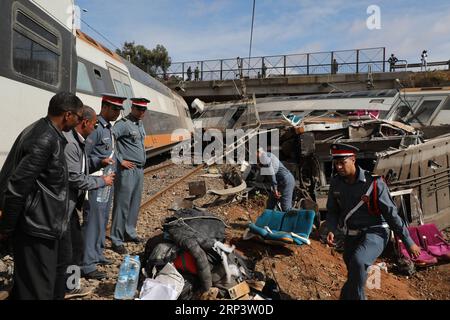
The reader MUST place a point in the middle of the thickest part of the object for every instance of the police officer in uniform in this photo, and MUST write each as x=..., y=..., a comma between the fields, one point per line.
x=363, y=208
x=101, y=151
x=281, y=179
x=130, y=136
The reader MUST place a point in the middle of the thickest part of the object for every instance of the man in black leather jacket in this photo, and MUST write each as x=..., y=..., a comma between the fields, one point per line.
x=34, y=198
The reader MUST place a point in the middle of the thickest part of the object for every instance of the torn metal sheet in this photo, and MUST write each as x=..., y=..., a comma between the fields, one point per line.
x=230, y=191
x=321, y=127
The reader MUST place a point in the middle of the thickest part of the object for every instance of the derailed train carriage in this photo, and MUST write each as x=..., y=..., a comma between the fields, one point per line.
x=43, y=53
x=402, y=135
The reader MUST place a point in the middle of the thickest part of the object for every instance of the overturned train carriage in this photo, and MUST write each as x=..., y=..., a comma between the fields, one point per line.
x=400, y=134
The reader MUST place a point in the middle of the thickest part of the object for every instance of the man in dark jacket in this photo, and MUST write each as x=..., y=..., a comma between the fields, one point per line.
x=34, y=198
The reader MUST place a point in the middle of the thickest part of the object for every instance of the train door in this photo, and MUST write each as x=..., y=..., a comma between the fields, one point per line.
x=122, y=85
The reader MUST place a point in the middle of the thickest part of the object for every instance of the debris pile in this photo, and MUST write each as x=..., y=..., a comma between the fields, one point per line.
x=193, y=248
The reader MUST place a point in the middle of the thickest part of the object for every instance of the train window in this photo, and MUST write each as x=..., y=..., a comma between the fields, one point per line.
x=98, y=74
x=36, y=28
x=129, y=92
x=426, y=110
x=33, y=60
x=83, y=81
x=214, y=113
x=403, y=108
x=120, y=90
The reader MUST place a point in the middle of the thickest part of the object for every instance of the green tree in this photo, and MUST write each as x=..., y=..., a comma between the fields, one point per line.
x=154, y=61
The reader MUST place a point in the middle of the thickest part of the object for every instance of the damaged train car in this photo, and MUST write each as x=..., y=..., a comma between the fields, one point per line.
x=402, y=135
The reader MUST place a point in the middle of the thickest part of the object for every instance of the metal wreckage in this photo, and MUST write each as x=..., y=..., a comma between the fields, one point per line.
x=403, y=136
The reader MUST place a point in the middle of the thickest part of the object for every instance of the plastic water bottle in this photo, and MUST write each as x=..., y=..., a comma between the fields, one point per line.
x=133, y=276
x=120, y=292
x=103, y=193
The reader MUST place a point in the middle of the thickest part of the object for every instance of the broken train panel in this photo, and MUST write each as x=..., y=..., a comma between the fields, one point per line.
x=425, y=168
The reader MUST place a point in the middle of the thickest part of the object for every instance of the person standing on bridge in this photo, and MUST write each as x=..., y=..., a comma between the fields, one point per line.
x=334, y=67
x=263, y=70
x=101, y=152
x=239, y=63
x=130, y=135
x=424, y=60
x=361, y=205
x=189, y=74
x=196, y=73
x=392, y=61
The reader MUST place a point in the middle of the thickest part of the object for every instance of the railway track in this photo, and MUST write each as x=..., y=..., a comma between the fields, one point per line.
x=147, y=202
x=152, y=170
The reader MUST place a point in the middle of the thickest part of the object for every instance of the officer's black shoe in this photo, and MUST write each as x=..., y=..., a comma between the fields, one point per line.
x=96, y=275
x=136, y=240
x=119, y=249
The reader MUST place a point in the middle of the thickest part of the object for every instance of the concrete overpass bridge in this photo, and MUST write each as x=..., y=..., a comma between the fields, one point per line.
x=310, y=73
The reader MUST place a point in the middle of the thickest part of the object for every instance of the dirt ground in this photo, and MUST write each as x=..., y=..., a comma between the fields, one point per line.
x=314, y=272
x=318, y=271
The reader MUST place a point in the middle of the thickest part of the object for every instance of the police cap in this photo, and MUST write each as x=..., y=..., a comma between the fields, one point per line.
x=114, y=100
x=341, y=150
x=140, y=103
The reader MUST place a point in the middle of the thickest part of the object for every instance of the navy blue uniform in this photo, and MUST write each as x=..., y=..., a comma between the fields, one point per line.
x=367, y=232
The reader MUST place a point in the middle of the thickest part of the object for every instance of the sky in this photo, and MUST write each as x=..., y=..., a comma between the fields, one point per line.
x=194, y=30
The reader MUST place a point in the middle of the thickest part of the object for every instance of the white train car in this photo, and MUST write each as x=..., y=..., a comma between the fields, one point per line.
x=42, y=54
x=101, y=70
x=238, y=114
x=38, y=59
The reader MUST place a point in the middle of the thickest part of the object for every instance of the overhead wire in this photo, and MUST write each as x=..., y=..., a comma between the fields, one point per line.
x=251, y=37
x=100, y=34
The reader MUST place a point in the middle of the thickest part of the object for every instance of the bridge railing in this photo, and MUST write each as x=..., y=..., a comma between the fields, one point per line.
x=403, y=65
x=333, y=62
